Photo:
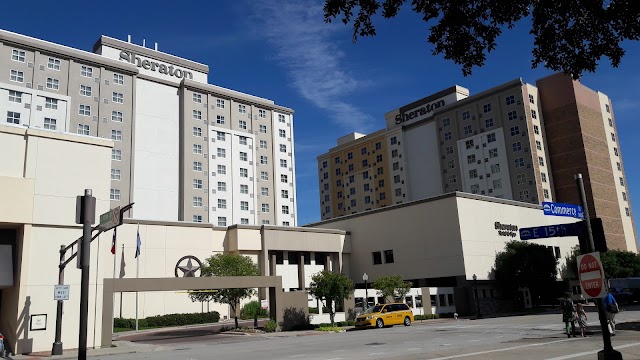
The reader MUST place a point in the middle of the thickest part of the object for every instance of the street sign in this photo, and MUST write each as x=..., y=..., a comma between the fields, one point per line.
x=559, y=209
x=548, y=231
x=110, y=219
x=61, y=292
x=591, y=275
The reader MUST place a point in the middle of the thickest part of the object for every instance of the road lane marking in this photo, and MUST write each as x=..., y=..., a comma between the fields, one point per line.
x=473, y=340
x=335, y=359
x=413, y=349
x=295, y=356
x=591, y=352
x=378, y=353
x=503, y=349
x=338, y=350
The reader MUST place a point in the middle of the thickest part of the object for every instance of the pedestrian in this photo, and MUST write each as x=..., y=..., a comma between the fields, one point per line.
x=569, y=316
x=582, y=319
x=611, y=308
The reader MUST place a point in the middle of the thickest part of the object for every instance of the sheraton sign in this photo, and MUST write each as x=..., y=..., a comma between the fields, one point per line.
x=155, y=66
x=419, y=112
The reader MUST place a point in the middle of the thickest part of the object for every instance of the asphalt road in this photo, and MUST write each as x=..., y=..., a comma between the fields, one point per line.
x=521, y=337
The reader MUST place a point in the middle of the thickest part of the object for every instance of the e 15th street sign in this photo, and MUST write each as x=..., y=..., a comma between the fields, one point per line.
x=548, y=231
x=559, y=209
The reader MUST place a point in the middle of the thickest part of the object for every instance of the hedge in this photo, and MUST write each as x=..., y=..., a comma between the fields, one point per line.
x=426, y=317
x=250, y=309
x=168, y=320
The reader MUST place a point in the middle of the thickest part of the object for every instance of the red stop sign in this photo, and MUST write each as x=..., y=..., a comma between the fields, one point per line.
x=591, y=275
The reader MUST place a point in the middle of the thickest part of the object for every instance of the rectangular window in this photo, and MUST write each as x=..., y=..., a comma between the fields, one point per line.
x=448, y=136
x=85, y=90
x=220, y=103
x=244, y=205
x=197, y=201
x=281, y=118
x=380, y=171
x=513, y=115
x=197, y=131
x=263, y=129
x=285, y=209
x=619, y=166
x=543, y=176
x=114, y=194
x=197, y=149
x=487, y=108
x=521, y=179
x=491, y=138
x=284, y=178
x=541, y=160
x=524, y=194
x=265, y=176
x=626, y=210
x=283, y=148
x=197, y=98
x=621, y=181
x=219, y=119
x=222, y=186
x=118, y=79
x=378, y=158
x=242, y=124
x=283, y=163
x=50, y=124
x=615, y=151
x=283, y=134
x=613, y=137
x=515, y=131
x=84, y=110
x=53, y=64
x=17, y=76
x=53, y=84
x=263, y=144
x=197, y=166
x=244, y=189
x=196, y=114
x=197, y=184
x=378, y=145
x=451, y=164
x=116, y=174
x=466, y=115
x=50, y=103
x=86, y=71
x=116, y=155
x=222, y=203
x=243, y=140
x=394, y=140
x=624, y=196
x=488, y=123
x=83, y=129
x=510, y=100
x=265, y=208
x=264, y=191
x=534, y=115
x=493, y=153
x=222, y=221
x=538, y=145
x=536, y=130
x=519, y=162
x=545, y=193
x=18, y=55
x=468, y=130
x=243, y=156
x=262, y=113
x=117, y=117
x=284, y=194
x=610, y=122
x=396, y=166
x=265, y=222
x=367, y=199
x=469, y=144
x=473, y=174
x=264, y=160
x=363, y=151
x=222, y=169
x=449, y=150
x=244, y=172
x=116, y=135
x=531, y=99
x=13, y=117
x=221, y=153
x=242, y=109
x=244, y=221
x=497, y=184
x=606, y=106
x=388, y=256
x=377, y=257
x=517, y=146
x=196, y=218
x=471, y=159
x=495, y=168
x=475, y=189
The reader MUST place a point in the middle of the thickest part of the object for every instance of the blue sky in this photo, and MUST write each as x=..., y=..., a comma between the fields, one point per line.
x=282, y=50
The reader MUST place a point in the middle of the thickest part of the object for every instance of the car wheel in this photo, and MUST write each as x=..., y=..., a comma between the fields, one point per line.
x=407, y=321
x=379, y=323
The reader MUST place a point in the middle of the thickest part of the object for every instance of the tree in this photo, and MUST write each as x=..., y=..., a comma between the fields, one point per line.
x=569, y=35
x=331, y=288
x=227, y=265
x=391, y=287
x=616, y=264
x=524, y=264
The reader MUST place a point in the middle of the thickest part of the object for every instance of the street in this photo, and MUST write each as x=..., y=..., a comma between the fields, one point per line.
x=522, y=337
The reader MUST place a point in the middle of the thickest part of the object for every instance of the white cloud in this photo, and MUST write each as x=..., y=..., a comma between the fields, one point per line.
x=304, y=46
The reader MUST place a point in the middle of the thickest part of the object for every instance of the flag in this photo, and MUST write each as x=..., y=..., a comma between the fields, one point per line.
x=139, y=243
x=122, y=263
x=113, y=242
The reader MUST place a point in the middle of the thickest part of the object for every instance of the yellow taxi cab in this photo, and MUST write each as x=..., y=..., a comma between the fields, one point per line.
x=382, y=315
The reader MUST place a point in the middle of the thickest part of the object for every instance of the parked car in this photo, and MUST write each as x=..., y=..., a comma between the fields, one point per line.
x=382, y=315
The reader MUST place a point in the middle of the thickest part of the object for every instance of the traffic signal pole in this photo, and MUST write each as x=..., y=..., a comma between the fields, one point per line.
x=608, y=353
x=84, y=252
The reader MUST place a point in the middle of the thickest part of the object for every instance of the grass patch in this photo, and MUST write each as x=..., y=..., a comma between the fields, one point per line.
x=329, y=328
x=120, y=329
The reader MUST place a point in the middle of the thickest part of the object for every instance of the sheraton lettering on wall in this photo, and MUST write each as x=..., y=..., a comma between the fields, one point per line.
x=506, y=229
x=155, y=66
x=419, y=112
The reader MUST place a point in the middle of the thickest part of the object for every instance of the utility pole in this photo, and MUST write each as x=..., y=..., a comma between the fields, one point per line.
x=608, y=353
x=87, y=218
x=57, y=345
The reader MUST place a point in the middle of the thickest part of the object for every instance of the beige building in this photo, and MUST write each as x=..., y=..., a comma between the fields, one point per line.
x=184, y=150
x=493, y=143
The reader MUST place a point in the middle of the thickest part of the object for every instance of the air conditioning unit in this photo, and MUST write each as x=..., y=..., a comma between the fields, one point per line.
x=28, y=85
x=481, y=177
x=106, y=101
x=480, y=162
x=213, y=156
x=27, y=106
x=39, y=107
x=40, y=87
x=106, y=82
x=250, y=162
x=105, y=120
x=488, y=175
x=96, y=80
x=95, y=118
x=213, y=173
x=490, y=191
x=30, y=64
x=482, y=192
x=205, y=121
x=478, y=147
x=41, y=67
x=213, y=208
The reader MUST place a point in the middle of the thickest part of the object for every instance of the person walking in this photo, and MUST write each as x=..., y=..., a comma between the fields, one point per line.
x=569, y=317
x=611, y=308
x=582, y=319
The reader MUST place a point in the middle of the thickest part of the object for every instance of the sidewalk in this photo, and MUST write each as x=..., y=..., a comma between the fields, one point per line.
x=120, y=347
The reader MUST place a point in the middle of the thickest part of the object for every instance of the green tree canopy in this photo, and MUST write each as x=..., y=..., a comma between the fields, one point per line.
x=524, y=264
x=392, y=287
x=569, y=35
x=616, y=263
x=228, y=264
x=331, y=288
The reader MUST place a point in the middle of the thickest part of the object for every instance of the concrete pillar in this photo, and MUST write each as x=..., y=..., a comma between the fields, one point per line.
x=327, y=263
x=426, y=301
x=301, y=271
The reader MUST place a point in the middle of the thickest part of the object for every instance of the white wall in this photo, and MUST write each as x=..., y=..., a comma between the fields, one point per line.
x=422, y=161
x=156, y=152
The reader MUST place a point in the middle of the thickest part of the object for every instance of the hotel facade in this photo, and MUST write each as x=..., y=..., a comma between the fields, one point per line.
x=185, y=150
x=515, y=141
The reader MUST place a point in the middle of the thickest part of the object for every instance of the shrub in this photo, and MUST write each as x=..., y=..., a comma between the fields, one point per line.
x=270, y=326
x=313, y=310
x=426, y=317
x=169, y=320
x=250, y=309
x=328, y=328
x=295, y=319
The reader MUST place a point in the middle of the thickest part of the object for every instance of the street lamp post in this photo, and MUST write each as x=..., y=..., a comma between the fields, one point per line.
x=475, y=290
x=365, y=278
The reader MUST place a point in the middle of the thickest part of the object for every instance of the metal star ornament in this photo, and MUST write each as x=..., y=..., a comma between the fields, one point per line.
x=189, y=269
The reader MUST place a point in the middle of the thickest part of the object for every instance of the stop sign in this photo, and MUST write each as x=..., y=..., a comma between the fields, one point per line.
x=591, y=275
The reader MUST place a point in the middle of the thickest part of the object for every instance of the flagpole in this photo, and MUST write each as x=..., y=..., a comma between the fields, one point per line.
x=121, y=276
x=137, y=269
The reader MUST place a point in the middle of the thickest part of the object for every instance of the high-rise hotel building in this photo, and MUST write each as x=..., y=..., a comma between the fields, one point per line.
x=515, y=141
x=184, y=150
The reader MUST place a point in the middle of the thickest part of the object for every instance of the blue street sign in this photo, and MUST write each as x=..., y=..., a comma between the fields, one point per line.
x=559, y=209
x=560, y=230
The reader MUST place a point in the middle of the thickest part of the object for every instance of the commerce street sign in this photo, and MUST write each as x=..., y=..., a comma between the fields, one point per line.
x=548, y=231
x=559, y=209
